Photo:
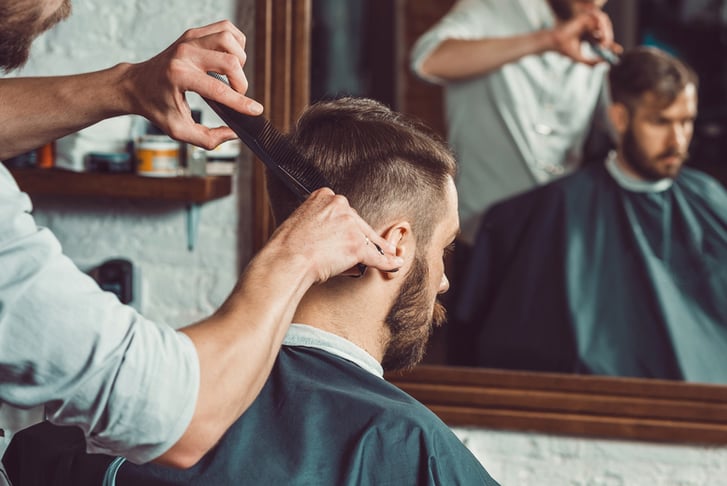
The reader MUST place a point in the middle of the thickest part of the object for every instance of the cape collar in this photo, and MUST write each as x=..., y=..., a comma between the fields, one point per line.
x=303, y=335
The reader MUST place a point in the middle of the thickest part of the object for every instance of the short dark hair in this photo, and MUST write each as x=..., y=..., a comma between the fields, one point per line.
x=644, y=70
x=384, y=162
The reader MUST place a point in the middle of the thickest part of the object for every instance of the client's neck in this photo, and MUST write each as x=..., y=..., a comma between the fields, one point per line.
x=352, y=313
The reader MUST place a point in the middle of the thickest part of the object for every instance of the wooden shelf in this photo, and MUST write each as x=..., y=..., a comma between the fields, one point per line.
x=58, y=182
x=190, y=190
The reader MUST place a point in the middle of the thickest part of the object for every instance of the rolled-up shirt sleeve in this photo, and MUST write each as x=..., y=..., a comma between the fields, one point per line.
x=478, y=19
x=463, y=21
x=130, y=384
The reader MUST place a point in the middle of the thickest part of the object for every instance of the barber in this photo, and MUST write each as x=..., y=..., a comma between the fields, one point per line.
x=134, y=387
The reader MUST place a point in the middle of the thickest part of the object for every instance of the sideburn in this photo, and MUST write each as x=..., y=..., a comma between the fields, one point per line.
x=409, y=321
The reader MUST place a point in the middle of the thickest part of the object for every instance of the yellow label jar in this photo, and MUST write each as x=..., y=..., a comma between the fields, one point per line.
x=157, y=156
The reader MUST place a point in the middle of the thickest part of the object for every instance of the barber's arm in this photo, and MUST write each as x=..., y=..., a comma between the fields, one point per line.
x=238, y=344
x=459, y=59
x=41, y=109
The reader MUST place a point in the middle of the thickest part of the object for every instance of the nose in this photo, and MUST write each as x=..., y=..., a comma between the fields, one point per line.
x=679, y=136
x=443, y=284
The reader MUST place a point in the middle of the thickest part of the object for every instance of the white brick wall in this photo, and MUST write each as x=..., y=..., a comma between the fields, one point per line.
x=182, y=286
x=546, y=460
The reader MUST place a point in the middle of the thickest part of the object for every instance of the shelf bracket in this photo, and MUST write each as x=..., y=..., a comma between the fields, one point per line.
x=193, y=210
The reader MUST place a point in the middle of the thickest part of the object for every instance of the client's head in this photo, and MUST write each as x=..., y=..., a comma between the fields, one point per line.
x=654, y=104
x=399, y=176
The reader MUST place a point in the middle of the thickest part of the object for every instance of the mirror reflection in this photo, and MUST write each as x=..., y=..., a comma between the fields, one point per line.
x=592, y=198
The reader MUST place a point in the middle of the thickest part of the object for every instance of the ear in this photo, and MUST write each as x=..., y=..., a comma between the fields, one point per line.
x=619, y=116
x=400, y=235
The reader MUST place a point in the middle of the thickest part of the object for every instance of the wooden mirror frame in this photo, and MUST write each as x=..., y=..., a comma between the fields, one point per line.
x=593, y=406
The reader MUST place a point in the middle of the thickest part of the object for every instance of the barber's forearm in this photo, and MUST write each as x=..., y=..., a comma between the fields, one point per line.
x=459, y=59
x=237, y=347
x=38, y=110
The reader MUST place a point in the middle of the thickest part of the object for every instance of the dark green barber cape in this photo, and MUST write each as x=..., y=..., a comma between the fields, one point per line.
x=322, y=420
x=581, y=275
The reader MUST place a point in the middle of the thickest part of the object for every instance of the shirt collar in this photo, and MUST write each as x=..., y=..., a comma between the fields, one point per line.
x=312, y=337
x=629, y=183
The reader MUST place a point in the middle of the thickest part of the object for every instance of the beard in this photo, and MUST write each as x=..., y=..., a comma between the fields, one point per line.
x=19, y=30
x=646, y=166
x=411, y=320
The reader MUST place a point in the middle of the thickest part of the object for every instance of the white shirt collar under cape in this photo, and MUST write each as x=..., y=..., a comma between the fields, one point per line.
x=311, y=337
x=629, y=183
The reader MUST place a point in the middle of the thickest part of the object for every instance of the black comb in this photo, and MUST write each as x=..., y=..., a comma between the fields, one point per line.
x=272, y=148
x=275, y=151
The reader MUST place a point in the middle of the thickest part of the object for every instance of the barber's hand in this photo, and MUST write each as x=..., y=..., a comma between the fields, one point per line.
x=157, y=86
x=334, y=238
x=594, y=25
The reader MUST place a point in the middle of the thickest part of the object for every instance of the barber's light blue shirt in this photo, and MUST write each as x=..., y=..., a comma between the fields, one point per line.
x=131, y=385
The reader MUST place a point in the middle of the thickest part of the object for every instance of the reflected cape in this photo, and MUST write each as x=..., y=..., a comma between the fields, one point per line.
x=584, y=276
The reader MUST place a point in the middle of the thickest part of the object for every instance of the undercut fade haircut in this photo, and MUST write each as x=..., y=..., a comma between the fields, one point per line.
x=649, y=70
x=387, y=164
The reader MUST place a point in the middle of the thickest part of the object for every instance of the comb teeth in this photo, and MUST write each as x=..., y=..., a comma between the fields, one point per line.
x=289, y=160
x=272, y=148
x=219, y=77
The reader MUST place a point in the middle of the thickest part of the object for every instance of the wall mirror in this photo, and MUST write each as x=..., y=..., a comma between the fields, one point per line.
x=595, y=406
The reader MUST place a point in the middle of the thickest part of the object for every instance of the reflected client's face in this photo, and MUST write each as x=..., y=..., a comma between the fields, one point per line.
x=656, y=141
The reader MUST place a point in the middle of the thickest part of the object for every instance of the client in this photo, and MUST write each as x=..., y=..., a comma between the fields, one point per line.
x=326, y=415
x=618, y=269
